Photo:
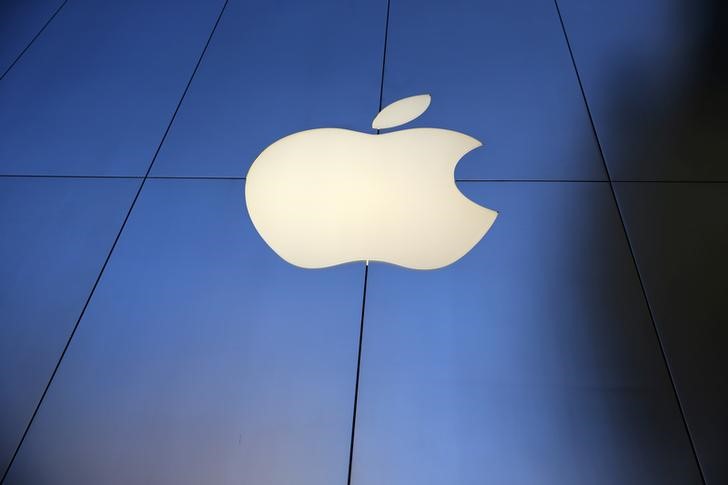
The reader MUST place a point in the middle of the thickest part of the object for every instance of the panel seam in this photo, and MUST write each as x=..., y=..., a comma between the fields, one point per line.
x=32, y=41
x=111, y=250
x=633, y=256
x=358, y=371
x=366, y=275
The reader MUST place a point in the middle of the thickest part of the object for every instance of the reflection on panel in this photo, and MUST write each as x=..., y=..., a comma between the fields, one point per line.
x=56, y=234
x=499, y=71
x=531, y=360
x=680, y=235
x=19, y=23
x=203, y=358
x=275, y=68
x=95, y=92
x=656, y=85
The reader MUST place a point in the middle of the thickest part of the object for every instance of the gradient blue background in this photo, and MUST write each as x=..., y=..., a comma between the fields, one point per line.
x=201, y=357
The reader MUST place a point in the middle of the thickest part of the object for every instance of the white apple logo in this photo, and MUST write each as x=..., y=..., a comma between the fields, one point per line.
x=329, y=196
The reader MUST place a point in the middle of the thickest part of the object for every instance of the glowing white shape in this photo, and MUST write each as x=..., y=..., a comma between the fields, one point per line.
x=328, y=196
x=401, y=112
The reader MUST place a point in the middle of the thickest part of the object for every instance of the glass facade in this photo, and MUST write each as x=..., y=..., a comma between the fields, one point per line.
x=149, y=335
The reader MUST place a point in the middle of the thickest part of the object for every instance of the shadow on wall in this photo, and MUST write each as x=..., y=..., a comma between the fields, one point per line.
x=656, y=77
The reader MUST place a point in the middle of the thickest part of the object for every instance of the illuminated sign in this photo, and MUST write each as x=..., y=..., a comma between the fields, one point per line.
x=329, y=196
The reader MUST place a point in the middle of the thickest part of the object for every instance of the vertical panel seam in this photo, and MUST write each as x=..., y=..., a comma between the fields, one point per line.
x=658, y=336
x=358, y=369
x=366, y=274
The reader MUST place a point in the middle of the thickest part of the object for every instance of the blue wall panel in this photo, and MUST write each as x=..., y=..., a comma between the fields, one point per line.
x=531, y=360
x=20, y=22
x=499, y=71
x=274, y=68
x=56, y=234
x=95, y=92
x=655, y=74
x=203, y=358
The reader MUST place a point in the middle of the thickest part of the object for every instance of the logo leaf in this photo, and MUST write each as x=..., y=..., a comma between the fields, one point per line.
x=401, y=111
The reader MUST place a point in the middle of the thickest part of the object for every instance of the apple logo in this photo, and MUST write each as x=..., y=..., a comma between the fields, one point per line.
x=328, y=196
